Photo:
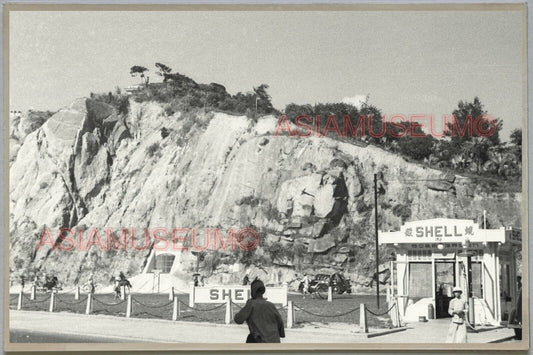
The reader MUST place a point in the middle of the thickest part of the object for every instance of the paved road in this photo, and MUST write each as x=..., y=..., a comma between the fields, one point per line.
x=31, y=326
x=33, y=336
x=119, y=329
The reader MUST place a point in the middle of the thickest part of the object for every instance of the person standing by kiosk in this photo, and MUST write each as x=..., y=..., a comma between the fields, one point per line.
x=458, y=309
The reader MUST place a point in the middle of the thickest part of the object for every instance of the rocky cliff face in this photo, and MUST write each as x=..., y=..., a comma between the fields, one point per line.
x=310, y=199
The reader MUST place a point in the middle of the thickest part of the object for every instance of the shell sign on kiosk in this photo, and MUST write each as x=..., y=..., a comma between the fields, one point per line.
x=435, y=255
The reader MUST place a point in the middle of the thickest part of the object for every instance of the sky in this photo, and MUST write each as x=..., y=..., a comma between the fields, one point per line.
x=408, y=63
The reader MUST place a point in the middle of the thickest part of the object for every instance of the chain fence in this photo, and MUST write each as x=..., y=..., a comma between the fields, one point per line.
x=147, y=308
x=195, y=312
x=202, y=310
x=13, y=300
x=96, y=300
x=236, y=305
x=35, y=301
x=70, y=290
x=326, y=315
x=38, y=304
x=109, y=308
x=76, y=306
x=164, y=312
x=377, y=314
x=134, y=300
x=83, y=300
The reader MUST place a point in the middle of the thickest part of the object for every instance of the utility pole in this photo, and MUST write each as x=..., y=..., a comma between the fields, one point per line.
x=377, y=242
x=470, y=293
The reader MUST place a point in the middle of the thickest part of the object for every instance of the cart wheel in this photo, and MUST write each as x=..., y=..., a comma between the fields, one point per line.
x=322, y=291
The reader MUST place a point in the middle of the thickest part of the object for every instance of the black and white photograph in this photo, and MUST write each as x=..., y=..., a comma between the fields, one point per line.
x=201, y=177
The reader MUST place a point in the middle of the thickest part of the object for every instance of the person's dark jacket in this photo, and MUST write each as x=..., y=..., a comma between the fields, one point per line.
x=262, y=317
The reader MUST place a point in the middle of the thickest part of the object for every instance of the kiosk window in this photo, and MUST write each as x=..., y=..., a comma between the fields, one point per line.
x=164, y=262
x=477, y=284
x=505, y=282
x=420, y=280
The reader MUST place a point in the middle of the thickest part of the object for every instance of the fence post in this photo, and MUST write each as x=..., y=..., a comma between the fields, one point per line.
x=171, y=294
x=397, y=312
x=89, y=307
x=394, y=314
x=123, y=293
x=285, y=293
x=128, y=307
x=33, y=292
x=77, y=293
x=52, y=301
x=191, y=295
x=175, y=309
x=330, y=294
x=290, y=314
x=19, y=303
x=362, y=319
x=228, y=311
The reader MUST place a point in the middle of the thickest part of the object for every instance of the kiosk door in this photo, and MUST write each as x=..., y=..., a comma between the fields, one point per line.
x=444, y=282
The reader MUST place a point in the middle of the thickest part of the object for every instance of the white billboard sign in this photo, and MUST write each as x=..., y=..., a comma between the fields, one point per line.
x=238, y=294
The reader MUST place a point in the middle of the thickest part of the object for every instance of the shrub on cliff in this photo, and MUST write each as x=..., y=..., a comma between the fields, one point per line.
x=118, y=100
x=152, y=150
x=249, y=200
x=417, y=148
x=403, y=211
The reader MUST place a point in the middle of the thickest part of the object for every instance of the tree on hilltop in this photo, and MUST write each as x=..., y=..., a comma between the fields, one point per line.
x=516, y=136
x=474, y=132
x=138, y=70
x=466, y=116
x=263, y=101
x=163, y=70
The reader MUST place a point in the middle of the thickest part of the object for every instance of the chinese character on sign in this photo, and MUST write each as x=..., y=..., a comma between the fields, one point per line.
x=469, y=230
x=409, y=232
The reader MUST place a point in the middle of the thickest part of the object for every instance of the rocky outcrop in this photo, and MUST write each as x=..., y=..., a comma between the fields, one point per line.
x=310, y=199
x=55, y=174
x=442, y=182
x=321, y=245
x=21, y=125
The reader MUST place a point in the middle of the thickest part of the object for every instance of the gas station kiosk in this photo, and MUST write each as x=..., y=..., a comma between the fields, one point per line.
x=434, y=255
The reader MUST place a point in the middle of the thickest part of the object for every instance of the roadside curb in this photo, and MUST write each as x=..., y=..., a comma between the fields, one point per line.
x=502, y=339
x=383, y=332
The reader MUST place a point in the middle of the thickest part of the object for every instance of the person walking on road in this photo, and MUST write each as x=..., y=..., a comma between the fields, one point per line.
x=458, y=309
x=263, y=319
